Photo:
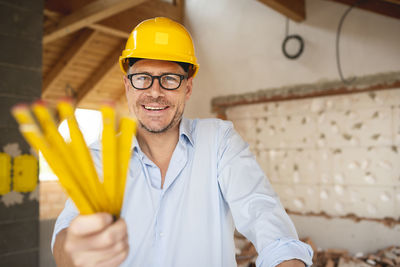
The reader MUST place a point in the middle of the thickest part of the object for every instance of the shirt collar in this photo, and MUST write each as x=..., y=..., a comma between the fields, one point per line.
x=185, y=130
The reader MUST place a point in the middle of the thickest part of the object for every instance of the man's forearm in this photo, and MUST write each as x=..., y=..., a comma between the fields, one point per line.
x=60, y=256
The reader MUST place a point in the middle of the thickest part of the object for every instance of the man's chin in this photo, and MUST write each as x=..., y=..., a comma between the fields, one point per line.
x=155, y=129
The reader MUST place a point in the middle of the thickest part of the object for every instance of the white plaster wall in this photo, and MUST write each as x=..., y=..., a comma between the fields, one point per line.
x=238, y=45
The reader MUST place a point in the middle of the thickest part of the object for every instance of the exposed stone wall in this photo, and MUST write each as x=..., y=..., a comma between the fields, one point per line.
x=20, y=81
x=337, y=155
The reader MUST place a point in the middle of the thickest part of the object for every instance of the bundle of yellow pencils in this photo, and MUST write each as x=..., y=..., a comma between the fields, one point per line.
x=72, y=162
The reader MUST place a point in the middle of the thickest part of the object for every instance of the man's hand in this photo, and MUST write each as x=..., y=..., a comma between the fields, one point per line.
x=92, y=240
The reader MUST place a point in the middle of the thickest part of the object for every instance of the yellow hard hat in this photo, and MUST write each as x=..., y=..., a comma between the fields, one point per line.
x=162, y=39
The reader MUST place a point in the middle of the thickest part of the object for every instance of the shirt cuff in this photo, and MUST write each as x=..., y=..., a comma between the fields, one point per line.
x=282, y=250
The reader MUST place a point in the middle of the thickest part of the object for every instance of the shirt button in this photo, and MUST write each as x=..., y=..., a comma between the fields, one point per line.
x=162, y=234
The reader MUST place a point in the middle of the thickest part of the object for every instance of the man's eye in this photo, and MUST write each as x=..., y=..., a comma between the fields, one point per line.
x=171, y=78
x=142, y=77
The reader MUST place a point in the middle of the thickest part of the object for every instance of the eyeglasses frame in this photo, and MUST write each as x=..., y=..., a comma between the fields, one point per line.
x=158, y=77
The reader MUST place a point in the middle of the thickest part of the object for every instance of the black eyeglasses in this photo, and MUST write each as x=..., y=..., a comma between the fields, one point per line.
x=168, y=81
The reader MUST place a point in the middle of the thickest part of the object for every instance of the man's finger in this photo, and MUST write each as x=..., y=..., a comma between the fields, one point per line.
x=90, y=224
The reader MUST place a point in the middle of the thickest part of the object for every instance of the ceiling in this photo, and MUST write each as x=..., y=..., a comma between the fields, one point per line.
x=82, y=40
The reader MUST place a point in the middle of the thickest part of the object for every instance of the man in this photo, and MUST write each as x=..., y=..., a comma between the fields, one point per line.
x=190, y=183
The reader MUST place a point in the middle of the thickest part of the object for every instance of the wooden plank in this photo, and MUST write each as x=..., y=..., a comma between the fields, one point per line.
x=55, y=16
x=127, y=20
x=293, y=9
x=110, y=31
x=100, y=74
x=393, y=1
x=89, y=14
x=67, y=60
x=386, y=8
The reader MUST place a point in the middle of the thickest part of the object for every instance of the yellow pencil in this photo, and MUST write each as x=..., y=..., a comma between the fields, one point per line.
x=64, y=153
x=83, y=157
x=34, y=137
x=127, y=129
x=109, y=156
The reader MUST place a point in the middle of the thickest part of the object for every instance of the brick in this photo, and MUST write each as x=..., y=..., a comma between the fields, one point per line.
x=19, y=235
x=22, y=23
x=17, y=82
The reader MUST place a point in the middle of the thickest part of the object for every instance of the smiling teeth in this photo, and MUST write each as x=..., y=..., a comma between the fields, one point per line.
x=153, y=108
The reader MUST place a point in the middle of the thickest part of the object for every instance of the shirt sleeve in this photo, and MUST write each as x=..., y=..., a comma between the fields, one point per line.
x=255, y=207
x=64, y=219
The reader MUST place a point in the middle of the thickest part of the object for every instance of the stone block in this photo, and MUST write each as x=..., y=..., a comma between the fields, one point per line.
x=280, y=166
x=17, y=82
x=22, y=23
x=298, y=198
x=35, y=6
x=396, y=125
x=324, y=161
x=299, y=131
x=21, y=52
x=6, y=103
x=28, y=258
x=352, y=128
x=369, y=202
x=367, y=166
x=270, y=133
x=305, y=166
x=397, y=203
x=12, y=136
x=19, y=235
x=27, y=210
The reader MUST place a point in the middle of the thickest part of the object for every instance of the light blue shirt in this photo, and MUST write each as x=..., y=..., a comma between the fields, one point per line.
x=213, y=184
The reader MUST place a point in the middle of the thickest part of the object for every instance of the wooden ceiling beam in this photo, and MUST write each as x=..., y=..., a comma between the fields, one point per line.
x=67, y=59
x=110, y=31
x=56, y=17
x=384, y=7
x=127, y=20
x=89, y=14
x=100, y=74
x=293, y=9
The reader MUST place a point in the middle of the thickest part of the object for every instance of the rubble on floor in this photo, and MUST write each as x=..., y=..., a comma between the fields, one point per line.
x=389, y=257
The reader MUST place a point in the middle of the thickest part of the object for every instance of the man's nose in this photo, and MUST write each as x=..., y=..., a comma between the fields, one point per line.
x=155, y=90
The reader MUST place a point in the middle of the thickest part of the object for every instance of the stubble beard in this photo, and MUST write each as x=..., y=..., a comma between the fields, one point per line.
x=175, y=120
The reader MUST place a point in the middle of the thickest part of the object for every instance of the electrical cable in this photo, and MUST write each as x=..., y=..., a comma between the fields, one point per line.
x=337, y=42
x=292, y=37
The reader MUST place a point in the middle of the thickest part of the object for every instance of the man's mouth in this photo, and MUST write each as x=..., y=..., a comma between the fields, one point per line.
x=153, y=108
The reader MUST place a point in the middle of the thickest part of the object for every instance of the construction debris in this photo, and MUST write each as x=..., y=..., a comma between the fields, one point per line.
x=389, y=257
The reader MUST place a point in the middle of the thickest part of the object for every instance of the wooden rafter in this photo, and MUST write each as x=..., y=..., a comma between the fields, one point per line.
x=100, y=74
x=89, y=14
x=55, y=17
x=68, y=58
x=293, y=9
x=110, y=31
x=390, y=8
x=127, y=20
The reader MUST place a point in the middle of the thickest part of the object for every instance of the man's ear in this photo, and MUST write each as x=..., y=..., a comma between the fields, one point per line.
x=189, y=87
x=127, y=83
